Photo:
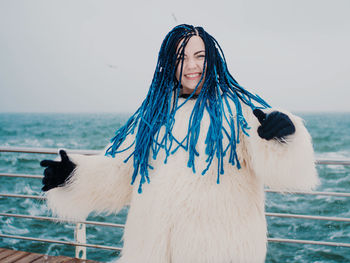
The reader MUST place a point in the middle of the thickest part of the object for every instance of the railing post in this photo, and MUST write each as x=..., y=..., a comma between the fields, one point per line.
x=80, y=237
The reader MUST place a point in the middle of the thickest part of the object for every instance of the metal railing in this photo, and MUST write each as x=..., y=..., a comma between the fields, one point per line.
x=80, y=235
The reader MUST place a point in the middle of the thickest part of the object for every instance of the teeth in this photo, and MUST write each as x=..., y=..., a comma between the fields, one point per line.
x=192, y=75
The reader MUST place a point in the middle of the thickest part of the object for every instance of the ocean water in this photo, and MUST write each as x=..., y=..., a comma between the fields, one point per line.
x=331, y=138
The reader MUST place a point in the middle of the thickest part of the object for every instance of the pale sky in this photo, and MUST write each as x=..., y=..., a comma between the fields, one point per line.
x=99, y=56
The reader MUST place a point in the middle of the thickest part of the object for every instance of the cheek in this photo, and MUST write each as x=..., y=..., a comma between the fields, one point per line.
x=177, y=73
x=178, y=70
x=205, y=69
x=202, y=66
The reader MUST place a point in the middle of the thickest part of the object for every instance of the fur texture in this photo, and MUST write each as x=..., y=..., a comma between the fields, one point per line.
x=287, y=166
x=185, y=217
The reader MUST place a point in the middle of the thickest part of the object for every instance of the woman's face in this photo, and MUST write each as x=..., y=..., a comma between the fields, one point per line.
x=192, y=65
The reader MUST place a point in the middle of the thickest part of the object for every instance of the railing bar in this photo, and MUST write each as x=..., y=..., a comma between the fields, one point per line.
x=324, y=243
x=309, y=193
x=22, y=175
x=45, y=150
x=339, y=194
x=57, y=219
x=312, y=242
x=339, y=219
x=61, y=242
x=94, y=152
x=103, y=224
x=335, y=162
x=24, y=196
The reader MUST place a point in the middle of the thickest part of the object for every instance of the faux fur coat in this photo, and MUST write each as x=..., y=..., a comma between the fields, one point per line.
x=183, y=216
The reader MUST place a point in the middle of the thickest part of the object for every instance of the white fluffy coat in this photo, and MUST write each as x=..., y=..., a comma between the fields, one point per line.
x=185, y=217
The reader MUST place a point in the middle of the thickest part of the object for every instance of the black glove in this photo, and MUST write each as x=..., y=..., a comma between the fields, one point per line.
x=56, y=173
x=275, y=125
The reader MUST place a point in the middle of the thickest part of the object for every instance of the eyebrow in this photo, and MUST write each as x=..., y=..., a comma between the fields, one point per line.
x=195, y=53
x=199, y=52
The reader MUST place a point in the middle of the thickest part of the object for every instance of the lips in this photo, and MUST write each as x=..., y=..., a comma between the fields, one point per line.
x=192, y=76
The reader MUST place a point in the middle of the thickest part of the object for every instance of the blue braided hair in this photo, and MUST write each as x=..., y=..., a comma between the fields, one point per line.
x=161, y=104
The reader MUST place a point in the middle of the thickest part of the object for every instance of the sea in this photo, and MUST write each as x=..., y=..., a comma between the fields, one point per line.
x=331, y=138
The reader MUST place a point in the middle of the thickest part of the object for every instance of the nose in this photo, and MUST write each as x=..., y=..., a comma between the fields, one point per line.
x=191, y=64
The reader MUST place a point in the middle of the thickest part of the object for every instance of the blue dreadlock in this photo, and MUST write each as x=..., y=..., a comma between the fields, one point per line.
x=160, y=106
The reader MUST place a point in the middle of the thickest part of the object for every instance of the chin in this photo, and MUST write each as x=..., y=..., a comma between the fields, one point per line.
x=191, y=89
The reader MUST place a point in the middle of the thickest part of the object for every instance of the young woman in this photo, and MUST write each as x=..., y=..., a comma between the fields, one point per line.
x=205, y=146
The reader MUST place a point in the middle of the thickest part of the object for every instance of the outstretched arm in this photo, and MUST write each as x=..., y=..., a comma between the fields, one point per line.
x=78, y=184
x=280, y=150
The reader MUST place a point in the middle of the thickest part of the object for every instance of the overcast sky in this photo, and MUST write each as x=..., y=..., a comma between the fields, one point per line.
x=99, y=56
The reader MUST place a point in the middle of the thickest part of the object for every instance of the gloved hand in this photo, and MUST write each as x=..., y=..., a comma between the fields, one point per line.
x=275, y=125
x=56, y=172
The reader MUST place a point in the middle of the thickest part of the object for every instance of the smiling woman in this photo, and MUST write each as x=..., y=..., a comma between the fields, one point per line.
x=205, y=146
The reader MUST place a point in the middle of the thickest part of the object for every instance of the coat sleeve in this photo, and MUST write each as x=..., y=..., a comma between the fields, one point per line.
x=285, y=166
x=98, y=183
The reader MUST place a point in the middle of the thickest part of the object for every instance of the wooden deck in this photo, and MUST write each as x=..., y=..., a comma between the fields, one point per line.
x=11, y=256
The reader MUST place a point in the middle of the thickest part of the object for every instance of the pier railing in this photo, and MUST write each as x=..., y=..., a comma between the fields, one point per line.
x=80, y=233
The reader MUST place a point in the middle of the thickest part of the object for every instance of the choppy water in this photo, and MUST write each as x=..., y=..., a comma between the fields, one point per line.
x=331, y=137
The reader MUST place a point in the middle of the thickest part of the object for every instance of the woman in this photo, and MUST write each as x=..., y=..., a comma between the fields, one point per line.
x=205, y=146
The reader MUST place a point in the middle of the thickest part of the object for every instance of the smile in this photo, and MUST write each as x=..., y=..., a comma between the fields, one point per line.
x=192, y=75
